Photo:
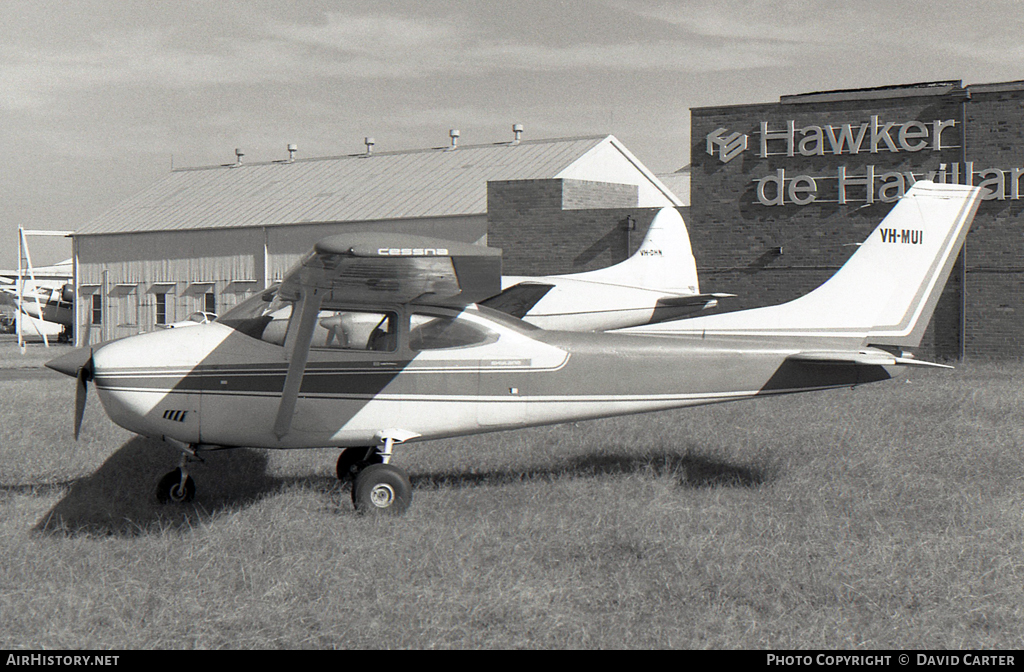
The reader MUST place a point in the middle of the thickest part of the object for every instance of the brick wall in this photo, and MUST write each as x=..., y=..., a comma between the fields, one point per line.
x=547, y=227
x=585, y=195
x=736, y=237
x=995, y=246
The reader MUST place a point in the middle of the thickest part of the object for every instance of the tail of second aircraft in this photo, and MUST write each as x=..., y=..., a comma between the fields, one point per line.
x=664, y=262
x=886, y=292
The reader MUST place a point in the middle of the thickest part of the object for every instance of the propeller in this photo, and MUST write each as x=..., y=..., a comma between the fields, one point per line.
x=82, y=392
x=78, y=364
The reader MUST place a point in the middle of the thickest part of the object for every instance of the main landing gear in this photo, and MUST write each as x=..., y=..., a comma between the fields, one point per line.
x=377, y=486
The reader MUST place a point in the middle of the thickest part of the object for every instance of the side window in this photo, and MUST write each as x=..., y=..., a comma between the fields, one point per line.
x=439, y=332
x=356, y=330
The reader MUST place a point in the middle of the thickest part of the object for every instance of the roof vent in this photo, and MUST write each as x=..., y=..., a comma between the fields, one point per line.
x=369, y=142
x=454, y=135
x=517, y=131
x=292, y=148
x=238, y=156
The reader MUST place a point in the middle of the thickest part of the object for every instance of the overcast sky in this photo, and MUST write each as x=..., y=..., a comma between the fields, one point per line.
x=97, y=99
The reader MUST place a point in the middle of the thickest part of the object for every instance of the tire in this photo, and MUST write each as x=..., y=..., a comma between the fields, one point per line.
x=170, y=489
x=354, y=460
x=382, y=489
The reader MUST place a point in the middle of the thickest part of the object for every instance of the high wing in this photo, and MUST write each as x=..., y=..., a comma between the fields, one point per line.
x=397, y=268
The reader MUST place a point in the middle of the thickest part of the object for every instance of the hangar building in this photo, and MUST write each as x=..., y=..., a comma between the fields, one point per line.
x=781, y=193
x=206, y=238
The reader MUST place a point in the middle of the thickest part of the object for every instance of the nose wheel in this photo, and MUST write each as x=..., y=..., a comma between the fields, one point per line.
x=177, y=486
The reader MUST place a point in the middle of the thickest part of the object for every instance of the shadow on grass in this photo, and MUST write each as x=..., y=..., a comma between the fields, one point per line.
x=692, y=471
x=119, y=498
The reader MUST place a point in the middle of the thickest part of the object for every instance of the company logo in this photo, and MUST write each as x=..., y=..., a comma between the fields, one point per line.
x=413, y=252
x=728, y=147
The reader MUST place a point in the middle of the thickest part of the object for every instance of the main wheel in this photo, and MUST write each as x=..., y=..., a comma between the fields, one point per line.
x=171, y=489
x=353, y=460
x=382, y=489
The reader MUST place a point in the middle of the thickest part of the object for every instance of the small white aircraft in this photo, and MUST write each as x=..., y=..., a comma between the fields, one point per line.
x=283, y=370
x=46, y=301
x=657, y=283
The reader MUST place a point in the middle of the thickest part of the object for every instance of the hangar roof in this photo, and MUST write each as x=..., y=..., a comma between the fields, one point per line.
x=436, y=182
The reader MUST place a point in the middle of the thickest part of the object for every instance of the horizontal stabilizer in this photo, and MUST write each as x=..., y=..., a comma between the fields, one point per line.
x=691, y=300
x=518, y=299
x=863, y=357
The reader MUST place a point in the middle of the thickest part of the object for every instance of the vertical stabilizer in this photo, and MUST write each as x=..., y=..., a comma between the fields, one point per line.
x=664, y=262
x=886, y=292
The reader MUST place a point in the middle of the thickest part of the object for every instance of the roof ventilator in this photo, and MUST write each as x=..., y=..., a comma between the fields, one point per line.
x=454, y=135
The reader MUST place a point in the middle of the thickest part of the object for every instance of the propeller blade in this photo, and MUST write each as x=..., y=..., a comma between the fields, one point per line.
x=81, y=392
x=77, y=363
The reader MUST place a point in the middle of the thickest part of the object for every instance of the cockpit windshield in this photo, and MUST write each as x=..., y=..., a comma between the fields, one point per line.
x=255, y=314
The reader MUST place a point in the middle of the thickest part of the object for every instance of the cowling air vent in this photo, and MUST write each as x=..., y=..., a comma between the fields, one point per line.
x=175, y=416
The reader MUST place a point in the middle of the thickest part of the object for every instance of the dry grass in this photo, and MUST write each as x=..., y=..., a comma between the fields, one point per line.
x=887, y=516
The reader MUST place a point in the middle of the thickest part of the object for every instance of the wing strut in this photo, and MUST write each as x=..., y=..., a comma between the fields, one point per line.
x=309, y=308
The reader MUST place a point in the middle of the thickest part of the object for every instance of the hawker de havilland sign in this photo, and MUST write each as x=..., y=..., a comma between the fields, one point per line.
x=869, y=184
x=366, y=351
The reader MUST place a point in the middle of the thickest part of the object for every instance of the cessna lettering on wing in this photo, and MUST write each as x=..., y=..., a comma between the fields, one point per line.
x=413, y=251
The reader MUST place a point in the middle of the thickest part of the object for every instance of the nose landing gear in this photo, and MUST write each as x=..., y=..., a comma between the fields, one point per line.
x=177, y=486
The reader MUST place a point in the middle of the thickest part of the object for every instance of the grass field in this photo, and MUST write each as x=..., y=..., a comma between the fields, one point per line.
x=886, y=516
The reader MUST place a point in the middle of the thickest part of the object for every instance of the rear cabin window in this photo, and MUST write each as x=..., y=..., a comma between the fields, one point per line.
x=355, y=330
x=443, y=332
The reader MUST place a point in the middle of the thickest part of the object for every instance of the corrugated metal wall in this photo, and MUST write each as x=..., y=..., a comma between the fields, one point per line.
x=129, y=271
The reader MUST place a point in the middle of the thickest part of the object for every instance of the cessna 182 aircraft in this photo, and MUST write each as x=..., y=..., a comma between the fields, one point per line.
x=291, y=368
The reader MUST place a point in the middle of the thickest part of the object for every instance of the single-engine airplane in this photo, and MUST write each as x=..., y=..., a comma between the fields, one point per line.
x=657, y=283
x=45, y=302
x=292, y=368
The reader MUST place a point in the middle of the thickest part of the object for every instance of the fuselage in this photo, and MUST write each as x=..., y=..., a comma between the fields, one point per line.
x=441, y=372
